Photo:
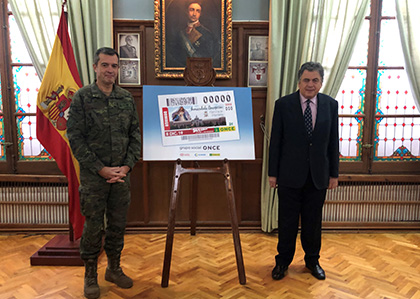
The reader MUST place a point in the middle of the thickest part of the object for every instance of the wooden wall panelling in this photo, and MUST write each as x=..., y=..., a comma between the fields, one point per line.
x=152, y=181
x=258, y=113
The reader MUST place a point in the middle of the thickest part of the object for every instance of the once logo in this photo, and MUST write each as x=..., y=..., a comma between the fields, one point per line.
x=211, y=147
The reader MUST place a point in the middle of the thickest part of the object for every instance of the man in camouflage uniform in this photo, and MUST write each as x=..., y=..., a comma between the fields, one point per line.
x=104, y=134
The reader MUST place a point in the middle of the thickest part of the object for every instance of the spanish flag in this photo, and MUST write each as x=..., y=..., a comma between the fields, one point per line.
x=61, y=80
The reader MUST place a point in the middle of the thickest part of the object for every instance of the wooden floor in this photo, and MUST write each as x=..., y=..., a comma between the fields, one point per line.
x=385, y=265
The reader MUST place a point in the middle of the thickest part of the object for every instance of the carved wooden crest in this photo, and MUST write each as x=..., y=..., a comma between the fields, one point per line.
x=199, y=71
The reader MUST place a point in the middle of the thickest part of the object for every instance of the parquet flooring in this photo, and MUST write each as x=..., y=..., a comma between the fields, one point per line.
x=385, y=265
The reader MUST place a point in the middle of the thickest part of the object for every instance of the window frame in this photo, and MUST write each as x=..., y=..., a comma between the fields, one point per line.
x=367, y=165
x=13, y=165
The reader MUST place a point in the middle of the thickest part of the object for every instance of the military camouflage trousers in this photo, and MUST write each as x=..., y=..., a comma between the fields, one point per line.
x=99, y=199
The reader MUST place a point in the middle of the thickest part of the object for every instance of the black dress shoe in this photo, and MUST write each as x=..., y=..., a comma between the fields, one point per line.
x=316, y=271
x=278, y=272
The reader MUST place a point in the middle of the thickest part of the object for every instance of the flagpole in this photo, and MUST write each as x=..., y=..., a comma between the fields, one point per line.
x=71, y=232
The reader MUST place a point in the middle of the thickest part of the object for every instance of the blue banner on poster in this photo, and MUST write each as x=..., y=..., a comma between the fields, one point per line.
x=197, y=123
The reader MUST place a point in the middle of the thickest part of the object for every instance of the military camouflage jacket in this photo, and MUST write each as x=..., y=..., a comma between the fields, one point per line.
x=104, y=131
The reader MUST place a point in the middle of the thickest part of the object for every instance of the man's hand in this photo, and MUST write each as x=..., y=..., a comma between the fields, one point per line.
x=114, y=174
x=272, y=180
x=333, y=183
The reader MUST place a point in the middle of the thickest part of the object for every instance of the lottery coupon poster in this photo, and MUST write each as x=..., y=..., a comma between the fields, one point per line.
x=197, y=123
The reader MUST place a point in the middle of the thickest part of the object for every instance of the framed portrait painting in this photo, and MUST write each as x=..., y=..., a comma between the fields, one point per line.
x=188, y=28
x=129, y=51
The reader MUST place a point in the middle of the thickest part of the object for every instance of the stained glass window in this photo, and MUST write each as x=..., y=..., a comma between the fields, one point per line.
x=26, y=83
x=397, y=119
x=351, y=110
x=351, y=99
x=398, y=130
x=360, y=53
x=17, y=45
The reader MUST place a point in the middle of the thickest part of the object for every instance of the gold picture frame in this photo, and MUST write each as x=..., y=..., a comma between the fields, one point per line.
x=212, y=37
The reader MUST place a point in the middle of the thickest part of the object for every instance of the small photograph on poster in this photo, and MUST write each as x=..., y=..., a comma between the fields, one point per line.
x=198, y=117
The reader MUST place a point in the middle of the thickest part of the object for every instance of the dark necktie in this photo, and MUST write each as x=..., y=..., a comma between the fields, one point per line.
x=307, y=115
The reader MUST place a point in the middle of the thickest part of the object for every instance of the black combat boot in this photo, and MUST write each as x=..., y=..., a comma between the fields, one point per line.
x=115, y=274
x=91, y=288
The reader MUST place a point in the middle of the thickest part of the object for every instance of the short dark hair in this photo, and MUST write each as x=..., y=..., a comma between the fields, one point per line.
x=106, y=51
x=311, y=67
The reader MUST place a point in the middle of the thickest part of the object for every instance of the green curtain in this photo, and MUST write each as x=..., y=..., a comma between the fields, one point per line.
x=324, y=31
x=37, y=21
x=288, y=20
x=409, y=24
x=90, y=24
x=334, y=40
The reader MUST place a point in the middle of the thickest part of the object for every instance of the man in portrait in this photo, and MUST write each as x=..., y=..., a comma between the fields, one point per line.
x=193, y=39
x=128, y=50
x=258, y=53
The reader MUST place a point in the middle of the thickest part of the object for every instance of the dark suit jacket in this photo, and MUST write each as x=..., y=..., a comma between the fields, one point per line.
x=292, y=154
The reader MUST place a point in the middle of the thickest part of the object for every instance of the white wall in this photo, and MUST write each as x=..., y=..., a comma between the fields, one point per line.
x=242, y=10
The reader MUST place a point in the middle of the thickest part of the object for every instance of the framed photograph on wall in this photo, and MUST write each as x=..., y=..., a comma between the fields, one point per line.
x=129, y=51
x=257, y=74
x=129, y=45
x=129, y=72
x=258, y=61
x=185, y=28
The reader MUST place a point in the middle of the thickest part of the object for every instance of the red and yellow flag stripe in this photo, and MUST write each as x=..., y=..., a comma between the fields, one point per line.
x=61, y=80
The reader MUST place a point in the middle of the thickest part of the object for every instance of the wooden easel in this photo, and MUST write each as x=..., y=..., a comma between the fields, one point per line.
x=199, y=72
x=178, y=172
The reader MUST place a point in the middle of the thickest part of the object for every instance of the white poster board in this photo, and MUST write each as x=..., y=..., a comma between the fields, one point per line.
x=197, y=123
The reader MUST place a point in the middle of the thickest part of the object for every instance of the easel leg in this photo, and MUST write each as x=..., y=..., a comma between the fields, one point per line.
x=193, y=204
x=179, y=170
x=234, y=221
x=171, y=229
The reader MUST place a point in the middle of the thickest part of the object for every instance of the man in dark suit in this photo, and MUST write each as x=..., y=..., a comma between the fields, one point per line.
x=303, y=163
